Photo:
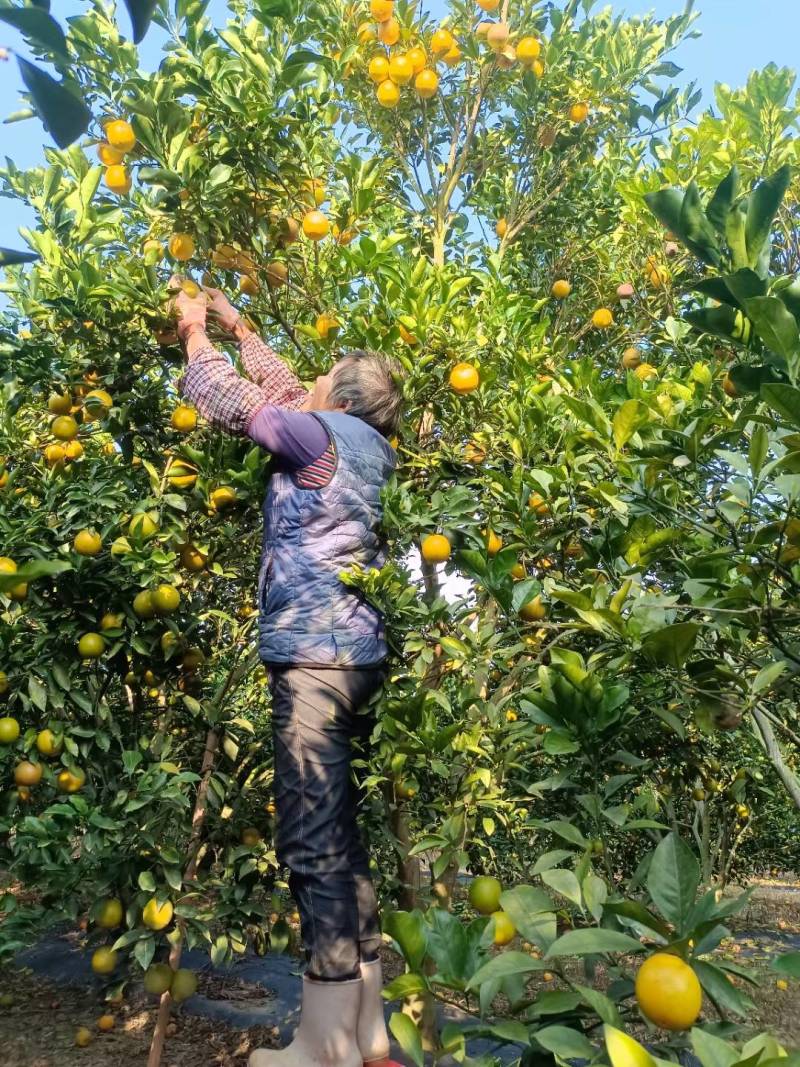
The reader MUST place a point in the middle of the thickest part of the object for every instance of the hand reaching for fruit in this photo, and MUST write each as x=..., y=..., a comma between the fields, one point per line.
x=190, y=304
x=221, y=309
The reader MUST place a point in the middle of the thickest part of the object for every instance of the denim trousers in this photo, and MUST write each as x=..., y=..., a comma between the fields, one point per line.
x=317, y=715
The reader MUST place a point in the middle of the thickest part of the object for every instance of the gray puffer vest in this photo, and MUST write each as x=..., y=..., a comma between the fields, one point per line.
x=308, y=616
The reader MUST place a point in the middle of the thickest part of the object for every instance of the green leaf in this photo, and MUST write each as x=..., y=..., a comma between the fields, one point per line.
x=673, y=644
x=593, y=941
x=566, y=1043
x=628, y=419
x=712, y=1051
x=696, y=230
x=719, y=322
x=765, y=200
x=775, y=325
x=725, y=996
x=408, y=1037
x=673, y=880
x=785, y=399
x=144, y=951
x=38, y=26
x=405, y=985
x=602, y=1005
x=723, y=200
x=407, y=929
x=550, y=859
x=64, y=114
x=564, y=882
x=147, y=882
x=666, y=206
x=8, y=257
x=29, y=572
x=507, y=963
x=788, y=964
x=141, y=13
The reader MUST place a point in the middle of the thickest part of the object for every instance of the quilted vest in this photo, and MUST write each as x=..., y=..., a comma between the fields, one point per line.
x=308, y=616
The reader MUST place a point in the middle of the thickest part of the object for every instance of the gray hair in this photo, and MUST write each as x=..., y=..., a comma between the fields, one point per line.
x=369, y=385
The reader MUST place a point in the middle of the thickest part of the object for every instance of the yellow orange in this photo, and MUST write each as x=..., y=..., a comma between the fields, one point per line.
x=417, y=58
x=315, y=225
x=181, y=246
x=108, y=155
x=388, y=94
x=378, y=69
x=464, y=378
x=435, y=548
x=118, y=179
x=120, y=135
x=426, y=83
x=389, y=32
x=528, y=49
x=401, y=69
x=441, y=41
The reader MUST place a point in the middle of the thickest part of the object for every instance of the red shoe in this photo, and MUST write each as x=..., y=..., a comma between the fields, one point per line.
x=382, y=1063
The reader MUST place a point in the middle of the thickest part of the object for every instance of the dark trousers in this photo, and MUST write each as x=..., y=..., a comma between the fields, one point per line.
x=315, y=720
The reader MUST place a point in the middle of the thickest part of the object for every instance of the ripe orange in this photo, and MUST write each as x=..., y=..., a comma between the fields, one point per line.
x=184, y=418
x=91, y=646
x=561, y=289
x=87, y=543
x=315, y=225
x=579, y=112
x=537, y=68
x=97, y=404
x=192, y=558
x=388, y=94
x=484, y=894
x=389, y=32
x=426, y=83
x=142, y=525
x=104, y=960
x=27, y=773
x=143, y=605
x=192, y=659
x=729, y=388
x=501, y=228
x=7, y=565
x=668, y=992
x=417, y=58
x=108, y=155
x=64, y=427
x=504, y=929
x=73, y=450
x=223, y=497
x=105, y=1023
x=645, y=371
x=378, y=69
x=381, y=10
x=47, y=743
x=518, y=571
x=401, y=69
x=277, y=274
x=118, y=179
x=166, y=599
x=497, y=36
x=533, y=610
x=327, y=326
x=602, y=319
x=181, y=246
x=528, y=50
x=289, y=231
x=156, y=916
x=249, y=286
x=631, y=358
x=489, y=5
x=109, y=914
x=657, y=275
x=9, y=730
x=493, y=543
x=83, y=1037
x=59, y=403
x=366, y=33
x=181, y=475
x=441, y=41
x=452, y=56
x=464, y=378
x=120, y=135
x=435, y=548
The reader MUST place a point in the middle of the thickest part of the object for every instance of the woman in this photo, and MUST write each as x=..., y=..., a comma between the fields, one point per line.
x=324, y=646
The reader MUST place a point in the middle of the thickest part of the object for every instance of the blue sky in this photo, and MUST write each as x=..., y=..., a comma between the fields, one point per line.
x=738, y=36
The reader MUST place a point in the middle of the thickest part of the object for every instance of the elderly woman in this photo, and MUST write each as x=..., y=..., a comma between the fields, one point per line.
x=323, y=644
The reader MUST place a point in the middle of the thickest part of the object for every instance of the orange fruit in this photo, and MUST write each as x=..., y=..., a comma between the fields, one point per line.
x=223, y=497
x=315, y=225
x=181, y=246
x=631, y=358
x=251, y=836
x=474, y=452
x=73, y=450
x=561, y=289
x=55, y=454
x=381, y=10
x=378, y=69
x=645, y=371
x=327, y=326
x=579, y=112
x=120, y=135
x=91, y=646
x=441, y=41
x=528, y=49
x=388, y=94
x=97, y=404
x=426, y=83
x=401, y=69
x=729, y=388
x=180, y=475
x=435, y=548
x=184, y=418
x=366, y=33
x=452, y=56
x=602, y=319
x=533, y=610
x=249, y=286
x=166, y=599
x=104, y=960
x=501, y=228
x=59, y=403
x=118, y=179
x=64, y=427
x=47, y=743
x=537, y=68
x=7, y=565
x=109, y=914
x=108, y=155
x=112, y=620
x=417, y=58
x=27, y=773
x=464, y=378
x=184, y=985
x=277, y=274
x=289, y=231
x=489, y=5
x=504, y=929
x=158, y=978
x=143, y=605
x=156, y=916
x=668, y=992
x=518, y=571
x=389, y=32
x=142, y=525
x=9, y=730
x=482, y=29
x=83, y=1037
x=87, y=543
x=105, y=1023
x=484, y=894
x=3, y=682
x=497, y=36
x=493, y=543
x=192, y=558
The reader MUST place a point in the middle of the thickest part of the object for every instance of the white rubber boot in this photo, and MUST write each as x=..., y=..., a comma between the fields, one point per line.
x=326, y=1033
x=373, y=1037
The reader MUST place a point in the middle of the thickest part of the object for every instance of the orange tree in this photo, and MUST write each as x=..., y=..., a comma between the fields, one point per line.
x=470, y=196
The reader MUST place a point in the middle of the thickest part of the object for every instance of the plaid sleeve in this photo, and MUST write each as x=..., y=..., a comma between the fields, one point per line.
x=222, y=396
x=268, y=371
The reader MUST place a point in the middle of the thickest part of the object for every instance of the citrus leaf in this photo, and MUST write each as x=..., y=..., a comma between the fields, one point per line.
x=38, y=27
x=408, y=1037
x=64, y=114
x=8, y=257
x=762, y=208
x=593, y=942
x=624, y=1051
x=141, y=13
x=673, y=880
x=672, y=644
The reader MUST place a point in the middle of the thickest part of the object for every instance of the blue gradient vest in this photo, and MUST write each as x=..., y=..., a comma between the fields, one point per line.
x=307, y=615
